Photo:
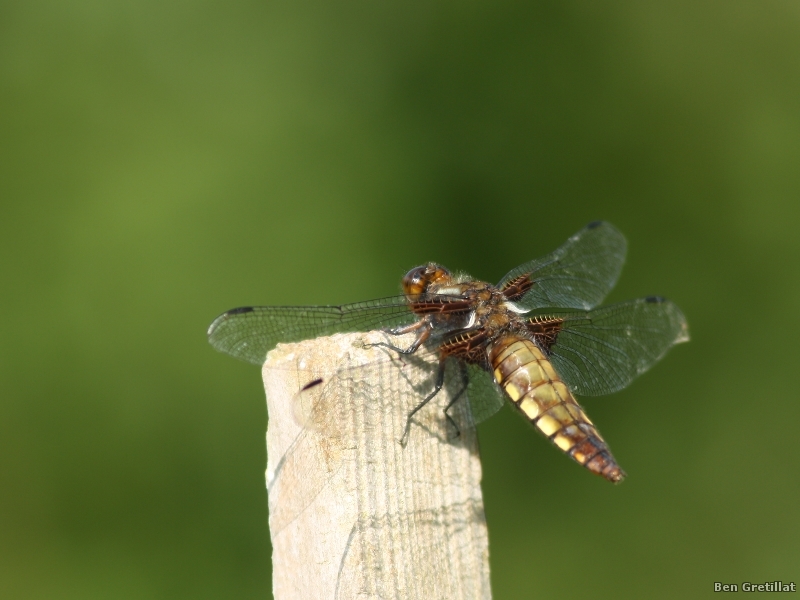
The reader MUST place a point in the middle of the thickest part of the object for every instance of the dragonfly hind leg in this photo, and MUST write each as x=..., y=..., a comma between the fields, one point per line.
x=462, y=370
x=438, y=385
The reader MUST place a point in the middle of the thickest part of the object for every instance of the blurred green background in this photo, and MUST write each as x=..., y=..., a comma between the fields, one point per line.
x=162, y=162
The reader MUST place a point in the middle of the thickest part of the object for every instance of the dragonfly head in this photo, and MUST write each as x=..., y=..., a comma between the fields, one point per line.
x=419, y=279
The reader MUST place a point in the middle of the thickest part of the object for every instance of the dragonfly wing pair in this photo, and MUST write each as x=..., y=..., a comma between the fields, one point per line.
x=549, y=302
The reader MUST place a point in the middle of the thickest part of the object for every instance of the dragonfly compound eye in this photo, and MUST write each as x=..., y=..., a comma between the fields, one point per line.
x=418, y=280
x=415, y=281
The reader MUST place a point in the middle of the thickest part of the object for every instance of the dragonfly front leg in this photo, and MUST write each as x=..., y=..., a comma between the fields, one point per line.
x=407, y=328
x=423, y=329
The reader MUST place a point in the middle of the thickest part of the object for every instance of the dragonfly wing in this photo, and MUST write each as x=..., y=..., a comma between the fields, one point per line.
x=485, y=396
x=602, y=351
x=248, y=333
x=358, y=405
x=313, y=457
x=579, y=274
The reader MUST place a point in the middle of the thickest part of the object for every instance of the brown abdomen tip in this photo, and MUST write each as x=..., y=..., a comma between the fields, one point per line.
x=603, y=464
x=615, y=474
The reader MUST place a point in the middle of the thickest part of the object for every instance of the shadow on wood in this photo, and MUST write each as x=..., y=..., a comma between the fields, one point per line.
x=353, y=514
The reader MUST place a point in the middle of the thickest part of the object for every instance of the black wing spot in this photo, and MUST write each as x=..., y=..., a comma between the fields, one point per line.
x=240, y=310
x=311, y=384
x=594, y=225
x=655, y=299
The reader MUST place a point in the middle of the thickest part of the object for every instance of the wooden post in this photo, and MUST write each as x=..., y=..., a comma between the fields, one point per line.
x=353, y=514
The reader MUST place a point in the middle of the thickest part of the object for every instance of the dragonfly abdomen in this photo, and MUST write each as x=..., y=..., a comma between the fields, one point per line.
x=531, y=383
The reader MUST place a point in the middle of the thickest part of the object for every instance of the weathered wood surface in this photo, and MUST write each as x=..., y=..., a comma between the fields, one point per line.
x=353, y=514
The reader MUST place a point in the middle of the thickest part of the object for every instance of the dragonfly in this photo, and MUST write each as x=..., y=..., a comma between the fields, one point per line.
x=536, y=340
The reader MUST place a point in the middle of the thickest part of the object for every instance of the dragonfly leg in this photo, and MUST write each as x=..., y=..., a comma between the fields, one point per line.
x=407, y=329
x=436, y=389
x=462, y=369
x=424, y=334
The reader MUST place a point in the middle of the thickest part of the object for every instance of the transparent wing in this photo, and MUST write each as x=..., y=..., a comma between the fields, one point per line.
x=485, y=396
x=248, y=333
x=354, y=406
x=579, y=274
x=602, y=351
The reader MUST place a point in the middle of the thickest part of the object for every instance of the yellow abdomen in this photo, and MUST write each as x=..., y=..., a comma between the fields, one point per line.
x=528, y=378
